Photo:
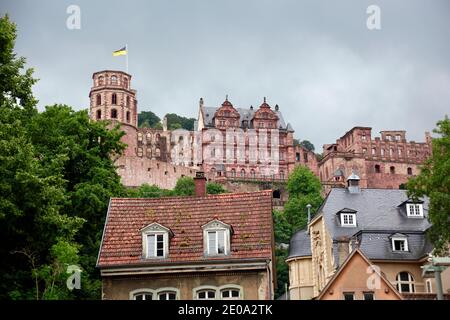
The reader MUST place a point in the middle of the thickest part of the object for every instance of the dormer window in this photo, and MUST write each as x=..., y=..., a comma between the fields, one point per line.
x=414, y=210
x=216, y=238
x=399, y=242
x=155, y=241
x=347, y=217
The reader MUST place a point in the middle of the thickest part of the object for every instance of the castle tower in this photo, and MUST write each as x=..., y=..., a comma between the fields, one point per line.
x=111, y=97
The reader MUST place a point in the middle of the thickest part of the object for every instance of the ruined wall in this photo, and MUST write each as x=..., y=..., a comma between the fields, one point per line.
x=135, y=171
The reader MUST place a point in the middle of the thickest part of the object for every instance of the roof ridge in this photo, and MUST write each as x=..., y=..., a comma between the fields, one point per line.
x=209, y=196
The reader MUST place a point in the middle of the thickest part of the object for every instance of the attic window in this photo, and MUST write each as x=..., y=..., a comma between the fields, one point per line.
x=399, y=244
x=216, y=238
x=155, y=241
x=414, y=210
x=348, y=219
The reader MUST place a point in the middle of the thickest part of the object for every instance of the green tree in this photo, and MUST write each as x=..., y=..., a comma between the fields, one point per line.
x=304, y=188
x=185, y=187
x=215, y=188
x=175, y=121
x=33, y=224
x=85, y=149
x=15, y=82
x=307, y=145
x=148, y=119
x=434, y=182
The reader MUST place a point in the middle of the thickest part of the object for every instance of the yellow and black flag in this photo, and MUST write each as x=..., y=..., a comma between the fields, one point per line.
x=120, y=52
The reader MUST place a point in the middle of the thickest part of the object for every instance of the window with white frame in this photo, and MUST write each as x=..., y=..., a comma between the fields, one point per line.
x=167, y=295
x=155, y=241
x=414, y=209
x=399, y=244
x=405, y=282
x=348, y=219
x=207, y=294
x=225, y=292
x=143, y=296
x=230, y=294
x=349, y=296
x=216, y=238
x=216, y=242
x=368, y=296
x=155, y=245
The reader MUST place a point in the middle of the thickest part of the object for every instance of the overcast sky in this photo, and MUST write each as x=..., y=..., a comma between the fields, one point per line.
x=316, y=59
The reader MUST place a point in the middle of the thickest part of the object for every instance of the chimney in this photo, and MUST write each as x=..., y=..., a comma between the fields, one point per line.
x=353, y=183
x=164, y=123
x=200, y=184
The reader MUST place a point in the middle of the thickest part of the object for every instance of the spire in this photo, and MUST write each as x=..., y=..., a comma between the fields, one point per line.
x=226, y=97
x=264, y=99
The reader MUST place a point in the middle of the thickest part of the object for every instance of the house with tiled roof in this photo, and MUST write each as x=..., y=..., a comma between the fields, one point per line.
x=388, y=228
x=200, y=247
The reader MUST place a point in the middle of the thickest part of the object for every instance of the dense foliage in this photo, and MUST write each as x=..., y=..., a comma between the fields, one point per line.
x=434, y=182
x=175, y=121
x=148, y=119
x=304, y=188
x=56, y=176
x=185, y=187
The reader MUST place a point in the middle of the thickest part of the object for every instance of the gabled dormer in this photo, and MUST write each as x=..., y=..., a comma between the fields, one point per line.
x=226, y=116
x=347, y=217
x=217, y=238
x=412, y=208
x=265, y=117
x=155, y=241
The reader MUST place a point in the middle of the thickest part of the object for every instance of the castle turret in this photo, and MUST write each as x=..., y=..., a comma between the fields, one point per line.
x=112, y=98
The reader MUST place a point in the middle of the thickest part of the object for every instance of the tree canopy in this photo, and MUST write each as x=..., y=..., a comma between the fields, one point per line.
x=148, y=119
x=56, y=177
x=175, y=121
x=434, y=182
x=307, y=145
x=304, y=188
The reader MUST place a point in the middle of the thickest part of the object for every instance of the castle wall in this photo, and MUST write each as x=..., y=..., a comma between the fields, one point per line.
x=135, y=171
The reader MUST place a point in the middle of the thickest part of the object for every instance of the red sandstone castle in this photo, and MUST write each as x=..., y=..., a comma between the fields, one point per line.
x=247, y=144
x=384, y=162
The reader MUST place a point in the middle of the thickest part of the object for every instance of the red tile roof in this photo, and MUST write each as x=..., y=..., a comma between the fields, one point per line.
x=249, y=214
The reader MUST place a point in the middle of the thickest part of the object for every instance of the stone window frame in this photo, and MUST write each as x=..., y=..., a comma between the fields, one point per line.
x=218, y=291
x=155, y=292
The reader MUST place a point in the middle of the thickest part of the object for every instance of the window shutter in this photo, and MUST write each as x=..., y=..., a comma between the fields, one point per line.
x=212, y=242
x=151, y=245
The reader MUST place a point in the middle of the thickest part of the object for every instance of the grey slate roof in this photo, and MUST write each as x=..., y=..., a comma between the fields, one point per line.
x=377, y=245
x=378, y=217
x=300, y=245
x=246, y=114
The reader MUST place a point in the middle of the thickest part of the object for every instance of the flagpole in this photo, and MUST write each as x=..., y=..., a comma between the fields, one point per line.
x=126, y=49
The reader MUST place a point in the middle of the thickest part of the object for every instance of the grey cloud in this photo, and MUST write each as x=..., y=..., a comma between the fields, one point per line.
x=316, y=59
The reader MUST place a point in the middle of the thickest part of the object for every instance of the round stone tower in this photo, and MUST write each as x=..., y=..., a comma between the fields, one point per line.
x=112, y=98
